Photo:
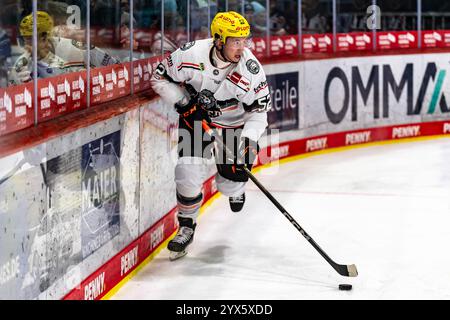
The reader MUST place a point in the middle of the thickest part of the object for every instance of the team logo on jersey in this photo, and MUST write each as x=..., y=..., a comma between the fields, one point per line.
x=79, y=45
x=239, y=80
x=187, y=45
x=216, y=72
x=252, y=66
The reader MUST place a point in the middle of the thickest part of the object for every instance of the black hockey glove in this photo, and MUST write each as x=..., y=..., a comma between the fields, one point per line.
x=207, y=101
x=201, y=106
x=192, y=112
x=246, y=155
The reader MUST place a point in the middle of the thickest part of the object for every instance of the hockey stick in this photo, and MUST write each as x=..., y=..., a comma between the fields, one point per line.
x=342, y=269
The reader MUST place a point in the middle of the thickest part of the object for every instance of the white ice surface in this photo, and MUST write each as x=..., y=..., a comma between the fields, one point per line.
x=385, y=208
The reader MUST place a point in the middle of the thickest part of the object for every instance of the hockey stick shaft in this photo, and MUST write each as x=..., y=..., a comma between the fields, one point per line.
x=344, y=270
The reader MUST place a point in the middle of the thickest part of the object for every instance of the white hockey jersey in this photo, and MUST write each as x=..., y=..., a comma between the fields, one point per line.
x=49, y=66
x=66, y=55
x=241, y=88
x=73, y=51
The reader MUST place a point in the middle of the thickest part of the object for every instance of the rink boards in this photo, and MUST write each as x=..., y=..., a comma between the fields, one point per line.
x=81, y=210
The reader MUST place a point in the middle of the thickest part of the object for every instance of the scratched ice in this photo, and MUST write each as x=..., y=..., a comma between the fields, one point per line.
x=385, y=208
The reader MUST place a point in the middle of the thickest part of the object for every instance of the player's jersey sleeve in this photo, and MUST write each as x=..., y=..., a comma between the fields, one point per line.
x=255, y=125
x=100, y=58
x=256, y=101
x=166, y=78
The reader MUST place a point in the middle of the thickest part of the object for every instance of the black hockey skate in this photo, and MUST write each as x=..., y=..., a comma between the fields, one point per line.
x=236, y=203
x=185, y=235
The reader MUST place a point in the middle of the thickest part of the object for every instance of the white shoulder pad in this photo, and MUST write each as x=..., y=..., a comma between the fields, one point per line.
x=257, y=98
x=250, y=66
x=195, y=49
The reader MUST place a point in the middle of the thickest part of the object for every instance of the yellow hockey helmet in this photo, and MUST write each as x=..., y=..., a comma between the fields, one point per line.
x=229, y=24
x=44, y=24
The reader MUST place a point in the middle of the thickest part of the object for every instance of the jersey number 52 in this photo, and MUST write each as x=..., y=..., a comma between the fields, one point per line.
x=263, y=104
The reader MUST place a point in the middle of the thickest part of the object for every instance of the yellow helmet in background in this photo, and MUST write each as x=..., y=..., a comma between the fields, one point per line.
x=44, y=24
x=229, y=24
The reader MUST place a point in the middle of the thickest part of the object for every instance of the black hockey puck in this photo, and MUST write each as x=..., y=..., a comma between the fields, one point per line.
x=345, y=287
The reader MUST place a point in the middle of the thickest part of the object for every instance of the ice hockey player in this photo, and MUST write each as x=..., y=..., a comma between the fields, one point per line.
x=55, y=55
x=221, y=82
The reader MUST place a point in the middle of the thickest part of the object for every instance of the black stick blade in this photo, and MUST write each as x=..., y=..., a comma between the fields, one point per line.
x=346, y=270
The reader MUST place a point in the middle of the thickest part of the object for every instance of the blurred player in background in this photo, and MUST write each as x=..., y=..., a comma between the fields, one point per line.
x=55, y=55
